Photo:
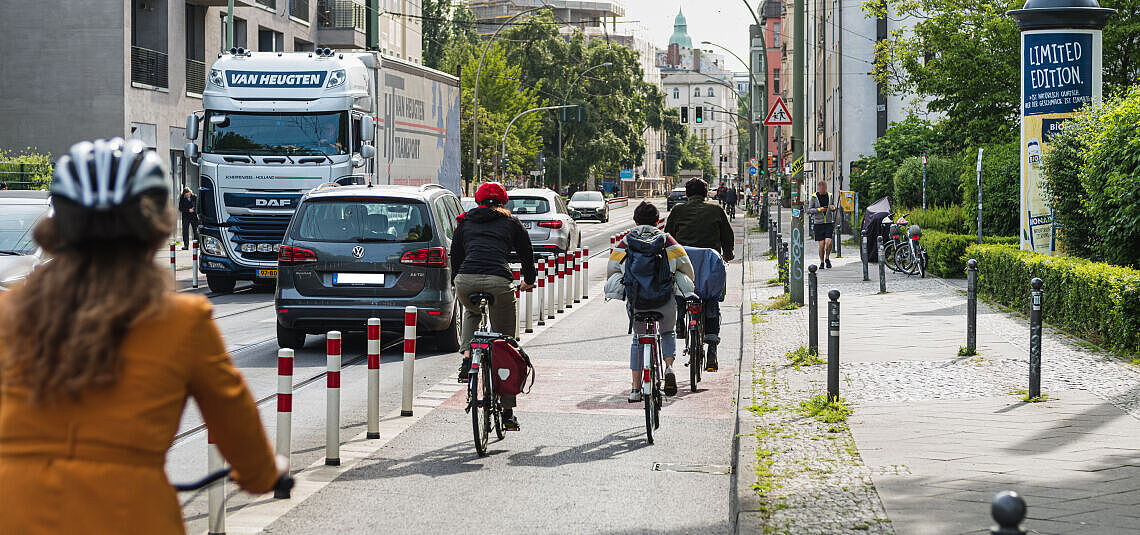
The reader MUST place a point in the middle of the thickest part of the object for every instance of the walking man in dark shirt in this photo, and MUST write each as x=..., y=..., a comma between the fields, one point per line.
x=188, y=206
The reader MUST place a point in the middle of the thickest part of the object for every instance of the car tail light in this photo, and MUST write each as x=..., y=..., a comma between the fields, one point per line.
x=290, y=256
x=550, y=224
x=435, y=257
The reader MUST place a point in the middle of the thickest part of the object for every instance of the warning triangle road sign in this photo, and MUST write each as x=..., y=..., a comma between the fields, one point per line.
x=778, y=115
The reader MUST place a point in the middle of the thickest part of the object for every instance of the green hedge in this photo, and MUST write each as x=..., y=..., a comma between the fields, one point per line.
x=950, y=219
x=1096, y=301
x=947, y=251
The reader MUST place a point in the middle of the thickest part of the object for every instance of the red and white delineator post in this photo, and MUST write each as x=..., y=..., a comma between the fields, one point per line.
x=540, y=280
x=332, y=403
x=373, y=349
x=409, y=360
x=194, y=265
x=586, y=273
x=284, y=405
x=216, y=492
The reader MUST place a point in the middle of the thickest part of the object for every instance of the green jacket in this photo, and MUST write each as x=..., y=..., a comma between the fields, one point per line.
x=700, y=224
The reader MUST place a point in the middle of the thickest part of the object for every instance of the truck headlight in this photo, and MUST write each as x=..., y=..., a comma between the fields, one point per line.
x=212, y=246
x=216, y=78
x=336, y=78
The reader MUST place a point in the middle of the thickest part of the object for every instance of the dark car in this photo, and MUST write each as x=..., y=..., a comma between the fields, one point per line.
x=677, y=196
x=358, y=252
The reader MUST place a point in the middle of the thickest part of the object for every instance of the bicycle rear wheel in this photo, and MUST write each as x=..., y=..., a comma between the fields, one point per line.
x=906, y=262
x=696, y=355
x=481, y=407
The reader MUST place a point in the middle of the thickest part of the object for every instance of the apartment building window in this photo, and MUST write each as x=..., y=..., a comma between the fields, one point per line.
x=775, y=80
x=696, y=91
x=676, y=93
x=301, y=45
x=270, y=41
x=149, y=56
x=710, y=92
x=271, y=4
x=775, y=34
x=195, y=49
x=299, y=9
x=240, y=33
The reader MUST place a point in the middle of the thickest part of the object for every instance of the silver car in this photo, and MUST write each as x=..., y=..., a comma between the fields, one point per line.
x=20, y=211
x=589, y=205
x=546, y=218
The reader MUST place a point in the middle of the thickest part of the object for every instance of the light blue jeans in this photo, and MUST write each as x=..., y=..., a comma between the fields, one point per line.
x=664, y=328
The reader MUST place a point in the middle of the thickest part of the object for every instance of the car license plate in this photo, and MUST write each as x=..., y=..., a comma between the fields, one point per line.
x=527, y=224
x=358, y=278
x=268, y=273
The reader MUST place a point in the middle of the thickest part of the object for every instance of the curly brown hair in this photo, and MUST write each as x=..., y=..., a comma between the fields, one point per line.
x=65, y=324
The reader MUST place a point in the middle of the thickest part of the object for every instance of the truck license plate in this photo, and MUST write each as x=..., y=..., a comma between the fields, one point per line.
x=267, y=273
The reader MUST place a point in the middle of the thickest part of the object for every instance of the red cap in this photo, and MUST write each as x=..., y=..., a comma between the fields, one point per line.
x=491, y=191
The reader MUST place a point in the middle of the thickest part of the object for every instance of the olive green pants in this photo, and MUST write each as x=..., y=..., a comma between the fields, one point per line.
x=504, y=318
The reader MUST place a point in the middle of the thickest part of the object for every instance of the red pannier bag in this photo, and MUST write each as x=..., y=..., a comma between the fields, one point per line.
x=510, y=369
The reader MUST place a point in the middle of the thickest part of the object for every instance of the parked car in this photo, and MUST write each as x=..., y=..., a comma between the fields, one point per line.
x=546, y=218
x=356, y=252
x=468, y=203
x=20, y=211
x=675, y=197
x=589, y=205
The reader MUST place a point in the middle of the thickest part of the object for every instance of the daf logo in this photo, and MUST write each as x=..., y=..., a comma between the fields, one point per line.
x=358, y=251
x=272, y=202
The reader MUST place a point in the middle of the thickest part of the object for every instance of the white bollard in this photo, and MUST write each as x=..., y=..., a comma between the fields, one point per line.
x=540, y=280
x=568, y=286
x=586, y=273
x=559, y=294
x=332, y=404
x=578, y=275
x=409, y=359
x=551, y=266
x=529, y=311
x=215, y=495
x=194, y=266
x=173, y=267
x=373, y=378
x=516, y=274
x=284, y=405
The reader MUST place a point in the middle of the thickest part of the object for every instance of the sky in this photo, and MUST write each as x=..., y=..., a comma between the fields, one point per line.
x=724, y=22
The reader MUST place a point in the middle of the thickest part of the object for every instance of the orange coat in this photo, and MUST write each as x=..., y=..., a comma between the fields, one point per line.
x=96, y=465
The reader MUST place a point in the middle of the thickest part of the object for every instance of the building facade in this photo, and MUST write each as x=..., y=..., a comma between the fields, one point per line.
x=138, y=68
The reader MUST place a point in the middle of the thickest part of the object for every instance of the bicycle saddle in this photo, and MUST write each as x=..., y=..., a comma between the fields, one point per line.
x=475, y=297
x=648, y=315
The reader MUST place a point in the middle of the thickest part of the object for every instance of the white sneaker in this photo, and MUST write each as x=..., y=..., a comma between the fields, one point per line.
x=635, y=395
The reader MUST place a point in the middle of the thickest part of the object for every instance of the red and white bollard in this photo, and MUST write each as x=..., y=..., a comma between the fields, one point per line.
x=284, y=405
x=550, y=293
x=215, y=494
x=173, y=267
x=332, y=404
x=516, y=275
x=586, y=273
x=578, y=285
x=568, y=288
x=373, y=378
x=194, y=265
x=529, y=327
x=559, y=292
x=409, y=359
x=540, y=280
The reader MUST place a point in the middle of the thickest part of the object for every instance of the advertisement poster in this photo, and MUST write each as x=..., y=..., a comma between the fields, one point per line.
x=1060, y=73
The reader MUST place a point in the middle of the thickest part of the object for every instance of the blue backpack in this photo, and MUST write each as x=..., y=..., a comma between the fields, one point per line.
x=648, y=280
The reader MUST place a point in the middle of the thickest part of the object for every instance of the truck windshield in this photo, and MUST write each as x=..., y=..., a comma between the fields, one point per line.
x=316, y=134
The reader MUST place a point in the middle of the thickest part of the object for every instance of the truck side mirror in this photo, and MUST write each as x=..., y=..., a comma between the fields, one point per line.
x=192, y=126
x=367, y=152
x=367, y=128
x=191, y=151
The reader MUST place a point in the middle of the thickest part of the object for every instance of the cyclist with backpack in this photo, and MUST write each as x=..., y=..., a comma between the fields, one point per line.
x=647, y=269
x=697, y=223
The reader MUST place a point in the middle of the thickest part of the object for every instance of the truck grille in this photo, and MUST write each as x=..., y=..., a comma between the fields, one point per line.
x=258, y=229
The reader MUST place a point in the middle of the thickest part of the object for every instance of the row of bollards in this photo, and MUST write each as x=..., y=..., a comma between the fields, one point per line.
x=1036, y=296
x=193, y=264
x=832, y=331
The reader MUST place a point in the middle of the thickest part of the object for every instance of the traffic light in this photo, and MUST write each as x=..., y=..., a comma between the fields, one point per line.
x=700, y=115
x=771, y=160
x=684, y=114
x=506, y=162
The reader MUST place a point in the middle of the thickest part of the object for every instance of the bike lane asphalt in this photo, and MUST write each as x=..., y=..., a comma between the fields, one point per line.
x=580, y=464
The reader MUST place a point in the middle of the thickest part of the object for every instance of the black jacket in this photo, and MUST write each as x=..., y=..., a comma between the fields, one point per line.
x=483, y=240
x=185, y=204
x=697, y=223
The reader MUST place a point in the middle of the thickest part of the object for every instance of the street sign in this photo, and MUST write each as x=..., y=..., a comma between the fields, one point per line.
x=627, y=174
x=773, y=196
x=536, y=173
x=752, y=162
x=752, y=170
x=779, y=114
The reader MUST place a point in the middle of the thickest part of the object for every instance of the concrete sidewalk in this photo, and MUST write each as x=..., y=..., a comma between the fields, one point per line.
x=936, y=435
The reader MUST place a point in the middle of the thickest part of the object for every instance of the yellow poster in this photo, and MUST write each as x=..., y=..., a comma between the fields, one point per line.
x=847, y=200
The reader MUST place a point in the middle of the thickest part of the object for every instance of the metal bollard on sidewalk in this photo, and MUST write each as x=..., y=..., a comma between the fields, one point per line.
x=284, y=406
x=1008, y=509
x=559, y=292
x=833, y=346
x=409, y=359
x=578, y=276
x=373, y=378
x=332, y=399
x=771, y=236
x=882, y=268
x=1035, y=297
x=216, y=492
x=173, y=266
x=971, y=306
x=551, y=291
x=194, y=264
x=838, y=238
x=813, y=311
x=540, y=280
x=586, y=273
x=863, y=253
x=568, y=288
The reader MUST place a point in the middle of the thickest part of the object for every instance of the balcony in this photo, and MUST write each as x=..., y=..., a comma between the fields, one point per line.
x=341, y=24
x=148, y=67
x=299, y=9
x=195, y=76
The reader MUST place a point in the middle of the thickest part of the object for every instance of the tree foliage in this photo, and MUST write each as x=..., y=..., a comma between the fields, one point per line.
x=943, y=176
x=873, y=177
x=1001, y=189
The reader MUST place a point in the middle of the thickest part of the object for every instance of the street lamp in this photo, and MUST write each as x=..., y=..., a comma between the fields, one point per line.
x=565, y=97
x=503, y=154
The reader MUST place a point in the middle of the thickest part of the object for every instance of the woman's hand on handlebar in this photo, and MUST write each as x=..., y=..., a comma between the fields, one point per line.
x=524, y=286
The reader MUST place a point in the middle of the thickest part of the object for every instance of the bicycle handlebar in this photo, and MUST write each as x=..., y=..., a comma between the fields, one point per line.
x=283, y=486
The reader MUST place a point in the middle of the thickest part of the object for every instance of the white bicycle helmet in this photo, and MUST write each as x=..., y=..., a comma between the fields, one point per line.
x=104, y=174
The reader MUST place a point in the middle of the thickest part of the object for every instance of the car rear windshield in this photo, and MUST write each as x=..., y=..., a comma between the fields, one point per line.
x=16, y=226
x=528, y=205
x=586, y=196
x=364, y=220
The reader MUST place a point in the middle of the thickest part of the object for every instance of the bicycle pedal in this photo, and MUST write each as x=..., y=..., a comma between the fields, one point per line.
x=464, y=379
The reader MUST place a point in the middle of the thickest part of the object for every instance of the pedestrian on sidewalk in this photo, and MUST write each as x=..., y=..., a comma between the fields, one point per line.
x=822, y=212
x=484, y=238
x=94, y=373
x=646, y=239
x=188, y=206
x=697, y=223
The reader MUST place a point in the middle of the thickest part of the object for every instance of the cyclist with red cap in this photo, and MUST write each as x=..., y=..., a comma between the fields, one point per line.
x=486, y=235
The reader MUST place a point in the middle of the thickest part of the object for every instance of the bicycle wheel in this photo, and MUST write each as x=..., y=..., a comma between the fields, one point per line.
x=650, y=401
x=481, y=407
x=905, y=261
x=888, y=256
x=696, y=356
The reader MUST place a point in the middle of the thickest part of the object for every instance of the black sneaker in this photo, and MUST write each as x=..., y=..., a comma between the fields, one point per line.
x=465, y=370
x=510, y=422
x=710, y=359
x=828, y=262
x=670, y=383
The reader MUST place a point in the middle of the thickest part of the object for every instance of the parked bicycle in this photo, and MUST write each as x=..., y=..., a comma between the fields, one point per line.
x=904, y=255
x=648, y=337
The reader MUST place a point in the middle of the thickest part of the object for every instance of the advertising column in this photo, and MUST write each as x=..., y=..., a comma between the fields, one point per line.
x=1060, y=72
